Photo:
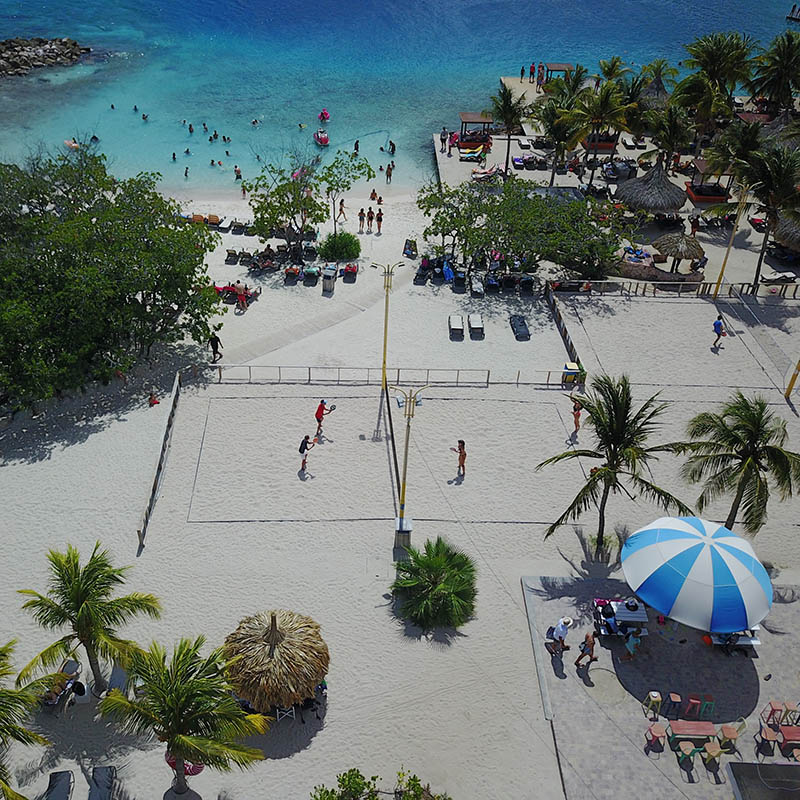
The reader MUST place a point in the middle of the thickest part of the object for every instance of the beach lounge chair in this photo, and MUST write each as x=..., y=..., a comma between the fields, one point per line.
x=628, y=144
x=455, y=325
x=421, y=276
x=60, y=786
x=224, y=225
x=101, y=785
x=520, y=327
x=199, y=218
x=518, y=162
x=212, y=220
x=475, y=324
x=475, y=286
x=237, y=226
x=231, y=257
x=410, y=248
x=72, y=669
x=118, y=679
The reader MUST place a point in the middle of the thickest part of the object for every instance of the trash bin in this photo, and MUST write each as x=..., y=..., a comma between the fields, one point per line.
x=571, y=372
x=329, y=278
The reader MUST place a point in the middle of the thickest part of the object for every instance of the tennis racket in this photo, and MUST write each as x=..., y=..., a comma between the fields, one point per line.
x=333, y=407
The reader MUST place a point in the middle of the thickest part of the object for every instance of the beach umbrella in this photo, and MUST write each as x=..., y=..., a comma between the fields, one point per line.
x=787, y=232
x=698, y=573
x=278, y=658
x=653, y=192
x=678, y=246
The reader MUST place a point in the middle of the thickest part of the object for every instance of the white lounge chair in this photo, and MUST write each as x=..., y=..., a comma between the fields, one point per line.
x=475, y=323
x=455, y=324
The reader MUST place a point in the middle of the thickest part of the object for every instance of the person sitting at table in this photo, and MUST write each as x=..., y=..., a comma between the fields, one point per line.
x=609, y=618
x=268, y=253
x=632, y=642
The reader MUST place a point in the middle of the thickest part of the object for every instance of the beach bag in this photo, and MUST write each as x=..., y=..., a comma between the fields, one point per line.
x=551, y=632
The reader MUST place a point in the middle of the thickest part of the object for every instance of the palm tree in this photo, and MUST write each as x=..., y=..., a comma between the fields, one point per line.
x=660, y=69
x=510, y=111
x=734, y=144
x=698, y=94
x=671, y=131
x=188, y=705
x=726, y=59
x=739, y=450
x=555, y=127
x=621, y=434
x=566, y=90
x=436, y=585
x=630, y=90
x=593, y=113
x=777, y=71
x=772, y=175
x=79, y=597
x=15, y=706
x=613, y=69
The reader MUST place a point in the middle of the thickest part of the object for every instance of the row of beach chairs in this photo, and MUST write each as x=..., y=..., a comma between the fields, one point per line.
x=101, y=784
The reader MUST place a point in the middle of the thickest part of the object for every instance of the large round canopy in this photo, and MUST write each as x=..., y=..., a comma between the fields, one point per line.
x=278, y=659
x=698, y=573
x=679, y=245
x=653, y=192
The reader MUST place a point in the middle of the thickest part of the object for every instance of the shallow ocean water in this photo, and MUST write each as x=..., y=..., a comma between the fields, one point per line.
x=384, y=71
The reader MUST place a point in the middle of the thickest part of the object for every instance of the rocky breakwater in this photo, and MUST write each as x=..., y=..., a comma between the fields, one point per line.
x=20, y=56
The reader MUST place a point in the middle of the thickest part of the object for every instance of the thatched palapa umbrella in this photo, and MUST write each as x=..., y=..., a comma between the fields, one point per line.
x=655, y=94
x=653, y=192
x=679, y=246
x=278, y=659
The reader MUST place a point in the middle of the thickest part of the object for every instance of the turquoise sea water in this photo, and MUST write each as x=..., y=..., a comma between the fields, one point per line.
x=384, y=70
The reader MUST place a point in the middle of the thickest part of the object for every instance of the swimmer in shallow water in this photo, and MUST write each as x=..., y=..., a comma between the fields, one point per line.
x=173, y=156
x=144, y=117
x=187, y=152
x=94, y=139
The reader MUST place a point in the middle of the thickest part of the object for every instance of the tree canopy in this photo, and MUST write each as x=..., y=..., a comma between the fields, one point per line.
x=93, y=272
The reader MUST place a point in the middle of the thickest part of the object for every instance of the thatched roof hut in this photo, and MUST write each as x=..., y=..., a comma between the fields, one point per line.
x=653, y=192
x=278, y=659
x=655, y=94
x=679, y=245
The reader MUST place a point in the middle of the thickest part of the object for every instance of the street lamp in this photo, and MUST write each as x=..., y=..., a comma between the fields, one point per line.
x=403, y=524
x=388, y=274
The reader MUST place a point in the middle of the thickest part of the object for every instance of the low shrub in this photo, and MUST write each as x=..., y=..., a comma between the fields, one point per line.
x=340, y=246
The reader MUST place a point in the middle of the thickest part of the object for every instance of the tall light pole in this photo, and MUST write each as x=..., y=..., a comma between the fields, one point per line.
x=404, y=525
x=388, y=274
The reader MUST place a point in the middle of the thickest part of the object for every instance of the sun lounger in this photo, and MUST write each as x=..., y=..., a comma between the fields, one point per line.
x=231, y=257
x=410, y=248
x=237, y=226
x=60, y=786
x=475, y=323
x=520, y=327
x=455, y=325
x=199, y=218
x=213, y=221
x=224, y=225
x=101, y=785
x=118, y=679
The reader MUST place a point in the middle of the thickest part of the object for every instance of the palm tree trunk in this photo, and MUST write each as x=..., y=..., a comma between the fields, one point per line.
x=596, y=143
x=761, y=255
x=508, y=151
x=333, y=214
x=731, y=521
x=601, y=522
x=181, y=787
x=556, y=158
x=100, y=684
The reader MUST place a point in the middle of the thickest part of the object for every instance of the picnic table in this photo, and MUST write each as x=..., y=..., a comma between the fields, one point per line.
x=691, y=729
x=624, y=614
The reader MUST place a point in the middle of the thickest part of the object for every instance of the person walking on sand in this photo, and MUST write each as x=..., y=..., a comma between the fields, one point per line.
x=361, y=217
x=341, y=211
x=462, y=457
x=305, y=446
x=379, y=219
x=522, y=73
x=370, y=217
x=321, y=412
x=557, y=636
x=719, y=329
x=576, y=415
x=587, y=649
x=443, y=139
x=215, y=345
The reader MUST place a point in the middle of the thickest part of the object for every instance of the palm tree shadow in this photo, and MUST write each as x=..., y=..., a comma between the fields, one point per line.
x=598, y=564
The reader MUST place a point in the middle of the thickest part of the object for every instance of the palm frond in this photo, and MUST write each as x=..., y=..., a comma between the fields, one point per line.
x=587, y=497
x=52, y=654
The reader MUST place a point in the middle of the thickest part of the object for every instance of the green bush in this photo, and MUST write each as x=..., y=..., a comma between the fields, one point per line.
x=340, y=247
x=436, y=586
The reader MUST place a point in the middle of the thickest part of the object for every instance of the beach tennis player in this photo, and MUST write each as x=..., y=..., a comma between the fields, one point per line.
x=321, y=412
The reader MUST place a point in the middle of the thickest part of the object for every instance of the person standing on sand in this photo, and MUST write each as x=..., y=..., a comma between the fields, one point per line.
x=341, y=211
x=719, y=329
x=389, y=173
x=532, y=73
x=370, y=217
x=522, y=74
x=379, y=219
x=443, y=139
x=361, y=217
x=587, y=649
x=321, y=412
x=215, y=345
x=462, y=457
x=305, y=446
x=576, y=415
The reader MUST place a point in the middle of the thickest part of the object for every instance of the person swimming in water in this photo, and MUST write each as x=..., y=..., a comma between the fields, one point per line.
x=191, y=128
x=112, y=107
x=136, y=108
x=186, y=172
x=187, y=152
x=174, y=157
x=94, y=139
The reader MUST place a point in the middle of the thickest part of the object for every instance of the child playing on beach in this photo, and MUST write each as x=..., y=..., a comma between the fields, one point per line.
x=719, y=329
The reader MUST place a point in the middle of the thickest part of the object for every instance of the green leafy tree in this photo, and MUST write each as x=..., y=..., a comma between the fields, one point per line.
x=621, y=433
x=733, y=145
x=567, y=89
x=510, y=111
x=659, y=69
x=670, y=130
x=698, y=95
x=79, y=597
x=436, y=585
x=342, y=246
x=630, y=90
x=188, y=704
x=15, y=707
x=287, y=199
x=725, y=59
x=771, y=175
x=596, y=113
x=339, y=175
x=777, y=71
x=353, y=785
x=555, y=127
x=93, y=272
x=739, y=451
x=613, y=69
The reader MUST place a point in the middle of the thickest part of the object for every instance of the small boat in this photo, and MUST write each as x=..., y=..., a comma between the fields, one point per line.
x=321, y=137
x=324, y=115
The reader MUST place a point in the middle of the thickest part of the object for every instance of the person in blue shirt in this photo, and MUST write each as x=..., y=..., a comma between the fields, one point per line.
x=719, y=329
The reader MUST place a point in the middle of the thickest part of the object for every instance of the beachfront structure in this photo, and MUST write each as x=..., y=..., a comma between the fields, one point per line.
x=553, y=69
x=475, y=118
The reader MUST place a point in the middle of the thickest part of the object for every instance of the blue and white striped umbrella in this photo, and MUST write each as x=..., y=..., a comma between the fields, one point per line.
x=698, y=573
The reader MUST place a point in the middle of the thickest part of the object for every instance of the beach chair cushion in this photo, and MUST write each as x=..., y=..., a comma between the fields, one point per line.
x=101, y=785
x=60, y=786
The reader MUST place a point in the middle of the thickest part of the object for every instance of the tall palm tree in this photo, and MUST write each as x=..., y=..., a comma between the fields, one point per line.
x=555, y=127
x=726, y=59
x=621, y=433
x=660, y=69
x=630, y=90
x=613, y=69
x=739, y=450
x=733, y=145
x=777, y=71
x=510, y=111
x=593, y=113
x=436, y=585
x=80, y=598
x=188, y=705
x=671, y=130
x=772, y=175
x=567, y=89
x=698, y=94
x=15, y=706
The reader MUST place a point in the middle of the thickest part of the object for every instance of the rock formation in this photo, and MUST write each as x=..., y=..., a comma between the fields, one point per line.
x=20, y=56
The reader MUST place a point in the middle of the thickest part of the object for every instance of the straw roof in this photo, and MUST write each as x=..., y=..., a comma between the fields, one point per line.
x=787, y=232
x=278, y=659
x=655, y=93
x=679, y=245
x=653, y=192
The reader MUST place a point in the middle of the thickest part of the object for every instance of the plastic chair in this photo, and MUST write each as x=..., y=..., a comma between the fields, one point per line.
x=730, y=733
x=711, y=752
x=790, y=713
x=765, y=736
x=709, y=705
x=652, y=701
x=672, y=704
x=693, y=702
x=772, y=712
x=655, y=733
x=687, y=750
